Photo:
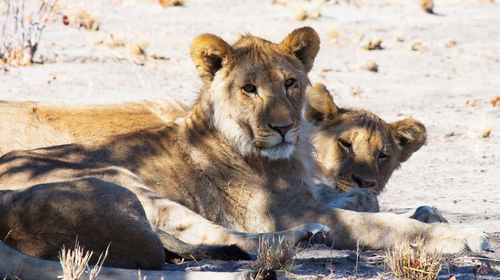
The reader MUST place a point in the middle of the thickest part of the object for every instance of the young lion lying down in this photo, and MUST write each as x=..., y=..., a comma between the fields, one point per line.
x=351, y=165
x=239, y=162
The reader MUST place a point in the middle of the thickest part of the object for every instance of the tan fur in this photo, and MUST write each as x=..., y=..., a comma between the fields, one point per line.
x=29, y=125
x=239, y=162
x=78, y=206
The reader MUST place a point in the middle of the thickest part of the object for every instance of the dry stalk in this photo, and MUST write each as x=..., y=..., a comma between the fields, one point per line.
x=411, y=261
x=75, y=262
x=20, y=35
x=274, y=253
x=169, y=3
x=427, y=6
x=83, y=19
x=358, y=251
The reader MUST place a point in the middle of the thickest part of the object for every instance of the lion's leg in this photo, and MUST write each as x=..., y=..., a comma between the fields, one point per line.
x=188, y=251
x=190, y=227
x=363, y=200
x=384, y=230
x=41, y=219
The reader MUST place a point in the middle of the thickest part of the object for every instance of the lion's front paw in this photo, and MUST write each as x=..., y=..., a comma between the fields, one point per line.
x=359, y=200
x=477, y=240
x=449, y=240
x=307, y=234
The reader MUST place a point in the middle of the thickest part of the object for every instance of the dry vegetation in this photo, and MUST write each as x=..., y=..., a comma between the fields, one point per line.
x=274, y=254
x=372, y=44
x=311, y=9
x=75, y=263
x=409, y=261
x=168, y=3
x=427, y=6
x=81, y=18
x=21, y=31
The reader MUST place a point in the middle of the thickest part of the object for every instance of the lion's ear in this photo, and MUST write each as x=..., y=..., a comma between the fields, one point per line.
x=410, y=135
x=209, y=54
x=319, y=106
x=303, y=43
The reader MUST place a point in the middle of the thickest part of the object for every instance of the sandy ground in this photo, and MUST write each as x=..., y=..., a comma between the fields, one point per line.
x=447, y=82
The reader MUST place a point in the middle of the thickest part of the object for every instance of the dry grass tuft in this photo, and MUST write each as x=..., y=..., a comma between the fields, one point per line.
x=410, y=261
x=114, y=40
x=86, y=20
x=371, y=66
x=21, y=30
x=308, y=10
x=355, y=90
x=333, y=34
x=169, y=3
x=427, y=6
x=418, y=47
x=76, y=262
x=274, y=254
x=130, y=46
x=301, y=15
x=138, y=49
x=262, y=274
x=486, y=133
x=82, y=19
x=373, y=44
x=278, y=2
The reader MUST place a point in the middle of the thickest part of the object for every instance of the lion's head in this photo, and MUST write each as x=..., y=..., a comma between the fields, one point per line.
x=354, y=147
x=254, y=89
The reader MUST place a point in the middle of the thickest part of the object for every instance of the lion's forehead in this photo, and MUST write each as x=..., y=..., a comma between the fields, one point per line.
x=365, y=136
x=261, y=75
x=266, y=59
x=258, y=72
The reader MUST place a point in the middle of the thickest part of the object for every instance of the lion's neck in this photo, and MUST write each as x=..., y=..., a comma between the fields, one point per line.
x=198, y=121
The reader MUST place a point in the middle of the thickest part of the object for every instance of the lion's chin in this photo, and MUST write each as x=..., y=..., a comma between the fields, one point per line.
x=280, y=151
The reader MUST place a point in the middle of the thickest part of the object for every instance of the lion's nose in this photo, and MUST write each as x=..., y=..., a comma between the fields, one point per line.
x=282, y=129
x=362, y=183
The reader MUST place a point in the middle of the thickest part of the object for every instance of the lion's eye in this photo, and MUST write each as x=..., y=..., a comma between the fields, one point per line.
x=289, y=82
x=345, y=144
x=249, y=88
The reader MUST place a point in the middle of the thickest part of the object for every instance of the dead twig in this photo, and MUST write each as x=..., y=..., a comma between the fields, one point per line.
x=21, y=35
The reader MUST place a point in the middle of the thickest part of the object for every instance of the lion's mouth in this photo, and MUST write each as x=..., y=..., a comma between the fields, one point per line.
x=282, y=144
x=282, y=150
x=274, y=142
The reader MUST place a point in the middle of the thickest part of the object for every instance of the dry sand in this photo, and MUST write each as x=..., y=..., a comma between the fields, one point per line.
x=443, y=69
